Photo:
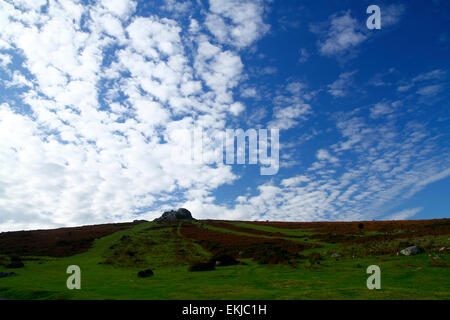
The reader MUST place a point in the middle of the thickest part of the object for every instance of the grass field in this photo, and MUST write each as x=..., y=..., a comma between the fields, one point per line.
x=280, y=261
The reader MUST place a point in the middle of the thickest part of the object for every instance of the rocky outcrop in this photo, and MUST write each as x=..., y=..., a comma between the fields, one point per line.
x=180, y=214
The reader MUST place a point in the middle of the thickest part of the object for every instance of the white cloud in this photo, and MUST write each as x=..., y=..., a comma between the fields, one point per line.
x=342, y=34
x=294, y=181
x=323, y=154
x=404, y=214
x=430, y=90
x=340, y=87
x=431, y=75
x=19, y=80
x=391, y=14
x=429, y=82
x=220, y=70
x=178, y=7
x=120, y=8
x=380, y=109
x=238, y=23
x=5, y=59
x=249, y=93
x=151, y=37
x=304, y=55
x=290, y=107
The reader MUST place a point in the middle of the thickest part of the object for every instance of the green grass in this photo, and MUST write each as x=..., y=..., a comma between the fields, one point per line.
x=401, y=277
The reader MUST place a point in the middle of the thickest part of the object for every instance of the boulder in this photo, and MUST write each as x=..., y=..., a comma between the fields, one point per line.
x=180, y=214
x=223, y=260
x=335, y=255
x=145, y=273
x=411, y=250
x=7, y=274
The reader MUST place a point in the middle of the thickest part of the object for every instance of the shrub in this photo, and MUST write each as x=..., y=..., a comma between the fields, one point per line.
x=274, y=255
x=130, y=253
x=360, y=226
x=15, y=262
x=4, y=260
x=125, y=238
x=145, y=273
x=202, y=266
x=15, y=265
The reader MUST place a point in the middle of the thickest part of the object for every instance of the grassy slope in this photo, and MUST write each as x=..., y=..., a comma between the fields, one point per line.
x=402, y=277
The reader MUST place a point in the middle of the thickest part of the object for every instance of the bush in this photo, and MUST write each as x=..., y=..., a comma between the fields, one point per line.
x=15, y=262
x=4, y=260
x=15, y=265
x=360, y=226
x=274, y=255
x=145, y=273
x=202, y=266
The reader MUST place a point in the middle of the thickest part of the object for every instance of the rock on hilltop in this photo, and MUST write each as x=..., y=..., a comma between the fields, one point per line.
x=180, y=214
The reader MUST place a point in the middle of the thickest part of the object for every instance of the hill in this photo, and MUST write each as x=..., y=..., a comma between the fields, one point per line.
x=247, y=260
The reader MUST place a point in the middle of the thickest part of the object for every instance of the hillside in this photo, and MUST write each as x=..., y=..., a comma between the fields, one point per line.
x=250, y=260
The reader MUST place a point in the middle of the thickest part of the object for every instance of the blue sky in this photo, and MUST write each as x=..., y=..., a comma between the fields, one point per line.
x=93, y=92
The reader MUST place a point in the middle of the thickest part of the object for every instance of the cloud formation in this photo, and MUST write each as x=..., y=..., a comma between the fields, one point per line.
x=88, y=155
x=94, y=97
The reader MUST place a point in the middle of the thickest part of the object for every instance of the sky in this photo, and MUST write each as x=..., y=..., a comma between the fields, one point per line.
x=93, y=95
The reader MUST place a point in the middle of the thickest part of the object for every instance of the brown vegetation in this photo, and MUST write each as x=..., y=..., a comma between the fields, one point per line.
x=263, y=250
x=229, y=226
x=61, y=242
x=351, y=232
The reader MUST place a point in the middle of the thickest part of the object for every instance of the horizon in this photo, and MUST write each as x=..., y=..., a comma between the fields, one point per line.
x=97, y=97
x=268, y=221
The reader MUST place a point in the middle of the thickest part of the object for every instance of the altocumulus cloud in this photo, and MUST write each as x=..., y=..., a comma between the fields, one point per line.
x=89, y=136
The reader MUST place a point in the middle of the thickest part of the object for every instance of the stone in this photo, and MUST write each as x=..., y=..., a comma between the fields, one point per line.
x=145, y=273
x=335, y=255
x=411, y=250
x=7, y=274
